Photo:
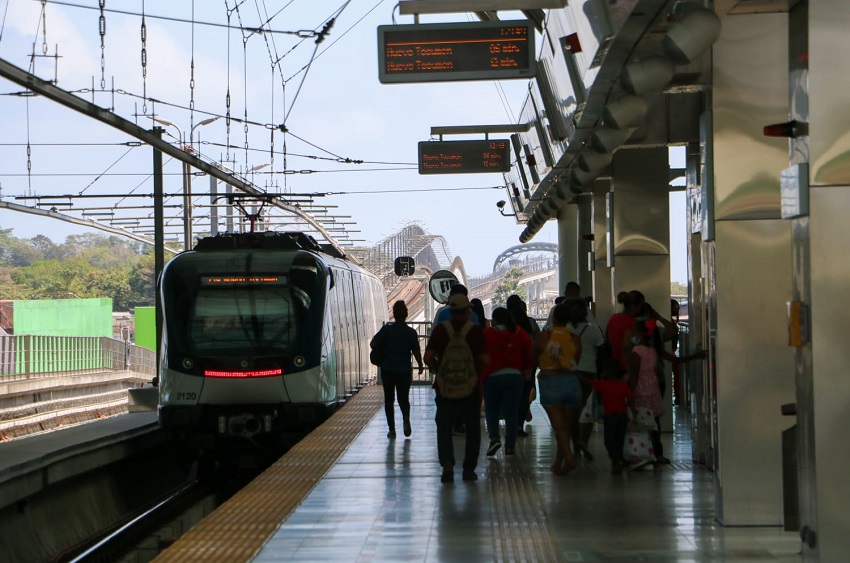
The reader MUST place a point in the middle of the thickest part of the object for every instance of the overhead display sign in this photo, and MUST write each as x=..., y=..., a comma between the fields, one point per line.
x=464, y=157
x=485, y=50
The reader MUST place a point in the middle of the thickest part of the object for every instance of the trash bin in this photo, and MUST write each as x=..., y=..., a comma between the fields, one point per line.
x=790, y=491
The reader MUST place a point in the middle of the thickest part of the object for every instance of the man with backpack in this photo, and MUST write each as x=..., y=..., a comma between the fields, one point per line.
x=457, y=352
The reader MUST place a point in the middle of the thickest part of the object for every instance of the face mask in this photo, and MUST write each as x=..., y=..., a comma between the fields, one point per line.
x=641, y=319
x=636, y=340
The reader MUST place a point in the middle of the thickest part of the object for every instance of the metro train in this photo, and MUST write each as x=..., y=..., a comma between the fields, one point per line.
x=263, y=334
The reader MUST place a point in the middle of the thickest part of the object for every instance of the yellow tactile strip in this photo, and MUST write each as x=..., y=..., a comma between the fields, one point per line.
x=241, y=526
x=521, y=529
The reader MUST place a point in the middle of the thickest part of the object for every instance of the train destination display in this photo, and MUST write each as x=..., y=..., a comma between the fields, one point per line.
x=456, y=51
x=464, y=157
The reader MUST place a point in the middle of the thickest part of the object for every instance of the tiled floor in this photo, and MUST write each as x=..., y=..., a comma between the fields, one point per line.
x=383, y=501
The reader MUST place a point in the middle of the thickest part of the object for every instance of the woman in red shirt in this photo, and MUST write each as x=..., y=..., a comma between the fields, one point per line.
x=502, y=380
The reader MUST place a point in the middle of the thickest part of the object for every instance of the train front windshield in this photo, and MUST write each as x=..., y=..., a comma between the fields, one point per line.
x=225, y=308
x=246, y=313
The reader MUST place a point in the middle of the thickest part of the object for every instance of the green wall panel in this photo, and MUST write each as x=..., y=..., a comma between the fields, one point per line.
x=64, y=317
x=145, y=320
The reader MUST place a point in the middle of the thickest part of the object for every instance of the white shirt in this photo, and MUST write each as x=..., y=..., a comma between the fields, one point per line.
x=591, y=338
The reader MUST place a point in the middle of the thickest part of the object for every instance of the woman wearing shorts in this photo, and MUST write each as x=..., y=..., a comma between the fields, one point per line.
x=557, y=351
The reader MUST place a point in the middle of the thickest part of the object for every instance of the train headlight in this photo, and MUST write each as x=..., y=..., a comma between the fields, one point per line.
x=298, y=361
x=188, y=363
x=222, y=424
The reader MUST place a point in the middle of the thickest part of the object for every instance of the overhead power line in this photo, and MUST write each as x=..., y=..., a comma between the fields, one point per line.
x=306, y=33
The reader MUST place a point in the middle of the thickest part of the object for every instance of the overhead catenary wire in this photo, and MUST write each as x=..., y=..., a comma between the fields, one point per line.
x=297, y=33
x=326, y=155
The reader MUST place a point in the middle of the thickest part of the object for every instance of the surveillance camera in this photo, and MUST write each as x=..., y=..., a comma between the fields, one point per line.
x=500, y=204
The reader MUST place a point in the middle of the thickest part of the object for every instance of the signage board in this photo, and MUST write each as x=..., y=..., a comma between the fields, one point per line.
x=441, y=284
x=404, y=266
x=464, y=157
x=486, y=50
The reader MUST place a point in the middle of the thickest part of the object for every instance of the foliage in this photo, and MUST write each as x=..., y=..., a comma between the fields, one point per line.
x=678, y=288
x=8, y=288
x=509, y=286
x=84, y=266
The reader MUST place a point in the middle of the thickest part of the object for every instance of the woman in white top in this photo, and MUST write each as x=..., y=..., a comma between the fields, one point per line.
x=591, y=339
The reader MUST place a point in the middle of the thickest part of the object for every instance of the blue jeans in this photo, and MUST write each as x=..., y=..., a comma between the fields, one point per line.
x=461, y=410
x=503, y=394
x=615, y=434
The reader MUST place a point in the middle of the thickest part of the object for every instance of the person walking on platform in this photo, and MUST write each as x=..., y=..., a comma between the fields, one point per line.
x=397, y=341
x=571, y=291
x=646, y=334
x=586, y=369
x=457, y=352
x=511, y=362
x=444, y=313
x=557, y=350
x=477, y=307
x=616, y=400
x=519, y=310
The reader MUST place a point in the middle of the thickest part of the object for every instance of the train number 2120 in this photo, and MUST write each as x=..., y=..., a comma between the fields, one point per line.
x=187, y=396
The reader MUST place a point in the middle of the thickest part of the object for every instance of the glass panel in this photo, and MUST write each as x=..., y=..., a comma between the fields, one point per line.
x=256, y=317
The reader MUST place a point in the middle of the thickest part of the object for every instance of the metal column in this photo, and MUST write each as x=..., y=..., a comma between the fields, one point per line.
x=749, y=268
x=641, y=233
x=824, y=392
x=606, y=304
x=568, y=251
x=159, y=241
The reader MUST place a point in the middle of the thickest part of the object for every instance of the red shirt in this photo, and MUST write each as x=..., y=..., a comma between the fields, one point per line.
x=507, y=350
x=618, y=324
x=614, y=394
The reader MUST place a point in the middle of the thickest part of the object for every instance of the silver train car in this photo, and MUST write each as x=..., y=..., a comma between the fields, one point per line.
x=263, y=333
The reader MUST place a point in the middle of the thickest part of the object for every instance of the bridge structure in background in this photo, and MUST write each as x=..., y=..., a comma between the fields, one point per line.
x=431, y=253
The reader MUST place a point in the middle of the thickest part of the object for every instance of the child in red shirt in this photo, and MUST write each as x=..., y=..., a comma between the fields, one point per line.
x=616, y=400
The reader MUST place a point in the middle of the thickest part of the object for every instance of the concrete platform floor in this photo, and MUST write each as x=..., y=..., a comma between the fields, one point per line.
x=383, y=501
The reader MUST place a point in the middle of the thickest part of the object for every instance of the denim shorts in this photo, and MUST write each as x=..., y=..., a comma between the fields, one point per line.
x=563, y=389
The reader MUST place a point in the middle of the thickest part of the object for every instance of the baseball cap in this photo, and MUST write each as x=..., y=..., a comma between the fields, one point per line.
x=458, y=302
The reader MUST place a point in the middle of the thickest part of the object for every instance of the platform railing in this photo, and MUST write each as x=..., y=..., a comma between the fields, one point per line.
x=37, y=356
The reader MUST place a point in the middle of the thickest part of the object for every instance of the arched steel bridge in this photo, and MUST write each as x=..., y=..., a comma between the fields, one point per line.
x=535, y=247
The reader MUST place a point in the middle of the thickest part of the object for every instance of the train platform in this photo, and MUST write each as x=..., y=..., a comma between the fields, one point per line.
x=348, y=493
x=33, y=463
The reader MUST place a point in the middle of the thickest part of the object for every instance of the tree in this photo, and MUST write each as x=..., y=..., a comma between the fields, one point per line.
x=105, y=283
x=509, y=286
x=15, y=252
x=8, y=288
x=51, y=279
x=142, y=281
x=678, y=288
x=47, y=248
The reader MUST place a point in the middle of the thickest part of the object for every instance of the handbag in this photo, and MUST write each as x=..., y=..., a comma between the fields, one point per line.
x=638, y=445
x=379, y=352
x=377, y=356
x=643, y=420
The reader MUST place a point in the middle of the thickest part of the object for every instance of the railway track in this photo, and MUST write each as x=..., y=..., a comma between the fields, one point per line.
x=143, y=535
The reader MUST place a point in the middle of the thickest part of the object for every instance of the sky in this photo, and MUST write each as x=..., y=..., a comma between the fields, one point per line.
x=336, y=109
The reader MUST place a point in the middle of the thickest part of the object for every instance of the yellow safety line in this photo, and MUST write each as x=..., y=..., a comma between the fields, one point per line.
x=521, y=529
x=239, y=528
